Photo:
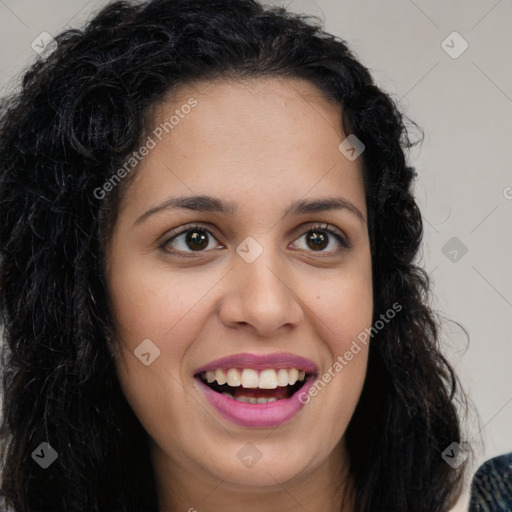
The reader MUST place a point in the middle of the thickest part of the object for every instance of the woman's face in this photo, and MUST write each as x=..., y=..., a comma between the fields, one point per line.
x=260, y=283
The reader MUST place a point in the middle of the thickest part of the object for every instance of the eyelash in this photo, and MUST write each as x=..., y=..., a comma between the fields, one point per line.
x=345, y=244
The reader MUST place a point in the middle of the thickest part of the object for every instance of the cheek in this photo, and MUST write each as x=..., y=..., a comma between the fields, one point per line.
x=146, y=306
x=167, y=308
x=343, y=317
x=159, y=307
x=157, y=304
x=343, y=306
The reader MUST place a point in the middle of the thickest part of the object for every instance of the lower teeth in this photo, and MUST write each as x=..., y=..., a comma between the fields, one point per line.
x=252, y=399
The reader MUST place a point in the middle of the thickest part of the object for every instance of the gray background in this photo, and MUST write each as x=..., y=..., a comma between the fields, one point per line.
x=464, y=106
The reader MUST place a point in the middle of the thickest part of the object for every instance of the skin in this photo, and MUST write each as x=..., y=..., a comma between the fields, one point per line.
x=262, y=144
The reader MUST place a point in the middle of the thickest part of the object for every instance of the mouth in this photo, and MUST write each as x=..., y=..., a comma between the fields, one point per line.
x=258, y=391
x=249, y=385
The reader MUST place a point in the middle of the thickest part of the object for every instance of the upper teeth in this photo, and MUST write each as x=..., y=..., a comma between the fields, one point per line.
x=250, y=378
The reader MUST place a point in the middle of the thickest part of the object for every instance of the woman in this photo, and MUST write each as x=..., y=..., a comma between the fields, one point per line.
x=209, y=293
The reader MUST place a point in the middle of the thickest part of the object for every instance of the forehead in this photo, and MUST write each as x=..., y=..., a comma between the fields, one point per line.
x=250, y=139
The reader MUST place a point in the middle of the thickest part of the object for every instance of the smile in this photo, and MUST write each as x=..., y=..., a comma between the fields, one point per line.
x=256, y=391
x=255, y=386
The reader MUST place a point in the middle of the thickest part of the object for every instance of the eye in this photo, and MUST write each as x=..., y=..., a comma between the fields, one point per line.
x=197, y=238
x=318, y=237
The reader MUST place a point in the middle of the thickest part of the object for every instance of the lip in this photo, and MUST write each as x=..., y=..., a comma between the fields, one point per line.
x=260, y=362
x=269, y=415
x=249, y=415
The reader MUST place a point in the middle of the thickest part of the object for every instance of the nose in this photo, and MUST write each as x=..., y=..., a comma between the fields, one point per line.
x=261, y=296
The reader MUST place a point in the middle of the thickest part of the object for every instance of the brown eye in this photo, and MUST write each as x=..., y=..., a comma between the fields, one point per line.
x=192, y=239
x=196, y=239
x=317, y=240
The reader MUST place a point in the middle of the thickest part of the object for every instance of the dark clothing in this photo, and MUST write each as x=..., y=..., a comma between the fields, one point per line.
x=491, y=487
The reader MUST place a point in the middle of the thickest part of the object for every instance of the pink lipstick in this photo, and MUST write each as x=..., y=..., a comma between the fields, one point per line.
x=256, y=391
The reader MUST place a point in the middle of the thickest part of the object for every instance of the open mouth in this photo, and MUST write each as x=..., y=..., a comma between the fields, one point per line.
x=256, y=386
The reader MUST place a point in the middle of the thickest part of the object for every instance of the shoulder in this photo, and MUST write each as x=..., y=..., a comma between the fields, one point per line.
x=491, y=487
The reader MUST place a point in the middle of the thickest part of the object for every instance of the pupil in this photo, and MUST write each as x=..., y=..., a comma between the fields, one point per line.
x=195, y=237
x=199, y=238
x=319, y=240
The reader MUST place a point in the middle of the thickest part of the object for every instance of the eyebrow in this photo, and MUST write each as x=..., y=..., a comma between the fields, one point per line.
x=204, y=203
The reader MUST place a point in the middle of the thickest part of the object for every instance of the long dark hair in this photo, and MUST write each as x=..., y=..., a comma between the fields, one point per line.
x=81, y=112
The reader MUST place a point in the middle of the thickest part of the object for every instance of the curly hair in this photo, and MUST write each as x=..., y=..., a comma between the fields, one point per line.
x=78, y=115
